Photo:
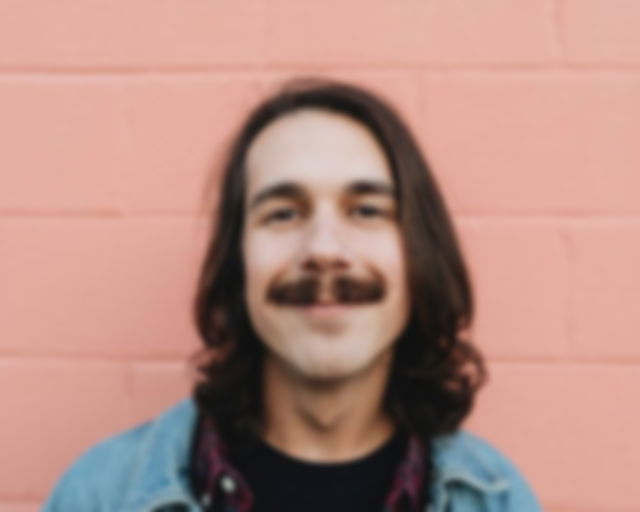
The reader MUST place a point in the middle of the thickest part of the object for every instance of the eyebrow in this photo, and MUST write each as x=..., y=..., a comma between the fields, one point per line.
x=293, y=190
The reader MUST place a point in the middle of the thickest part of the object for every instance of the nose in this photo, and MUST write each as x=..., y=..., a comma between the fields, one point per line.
x=325, y=250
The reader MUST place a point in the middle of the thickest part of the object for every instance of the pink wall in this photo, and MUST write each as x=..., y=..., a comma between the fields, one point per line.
x=112, y=112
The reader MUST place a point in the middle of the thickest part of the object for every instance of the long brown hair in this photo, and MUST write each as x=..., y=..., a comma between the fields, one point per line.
x=435, y=372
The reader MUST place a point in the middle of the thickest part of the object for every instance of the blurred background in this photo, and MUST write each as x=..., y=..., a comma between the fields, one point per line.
x=114, y=116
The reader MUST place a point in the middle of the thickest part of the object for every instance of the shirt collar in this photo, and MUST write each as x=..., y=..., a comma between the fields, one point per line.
x=164, y=457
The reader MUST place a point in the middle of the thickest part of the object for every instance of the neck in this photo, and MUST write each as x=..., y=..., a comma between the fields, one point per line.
x=325, y=421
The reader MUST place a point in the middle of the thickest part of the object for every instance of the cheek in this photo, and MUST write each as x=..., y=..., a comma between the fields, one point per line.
x=386, y=254
x=263, y=259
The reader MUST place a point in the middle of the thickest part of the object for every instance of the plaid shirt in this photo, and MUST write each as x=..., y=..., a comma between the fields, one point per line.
x=216, y=480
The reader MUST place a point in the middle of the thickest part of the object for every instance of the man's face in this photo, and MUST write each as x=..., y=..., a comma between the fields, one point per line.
x=320, y=228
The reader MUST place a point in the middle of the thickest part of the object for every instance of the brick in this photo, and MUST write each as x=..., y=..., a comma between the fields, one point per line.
x=157, y=386
x=570, y=428
x=63, y=144
x=600, y=31
x=606, y=288
x=530, y=143
x=364, y=32
x=53, y=411
x=180, y=128
x=129, y=35
x=100, y=287
x=520, y=276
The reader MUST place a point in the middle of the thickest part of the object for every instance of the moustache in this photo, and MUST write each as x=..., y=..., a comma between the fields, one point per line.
x=344, y=290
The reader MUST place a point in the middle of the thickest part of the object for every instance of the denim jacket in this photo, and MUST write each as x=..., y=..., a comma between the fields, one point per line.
x=146, y=469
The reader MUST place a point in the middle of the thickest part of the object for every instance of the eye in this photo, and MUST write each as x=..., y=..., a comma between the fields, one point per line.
x=281, y=214
x=367, y=210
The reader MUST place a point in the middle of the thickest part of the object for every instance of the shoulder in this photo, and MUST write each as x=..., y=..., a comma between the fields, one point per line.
x=105, y=475
x=99, y=474
x=468, y=467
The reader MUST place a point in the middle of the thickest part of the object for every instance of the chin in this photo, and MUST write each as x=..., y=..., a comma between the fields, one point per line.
x=332, y=370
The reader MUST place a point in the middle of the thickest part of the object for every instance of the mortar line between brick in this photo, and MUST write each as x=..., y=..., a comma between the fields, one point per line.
x=633, y=361
x=21, y=500
x=114, y=360
x=188, y=215
x=173, y=71
x=180, y=362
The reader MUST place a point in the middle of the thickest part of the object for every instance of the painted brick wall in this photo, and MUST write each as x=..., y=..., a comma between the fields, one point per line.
x=113, y=113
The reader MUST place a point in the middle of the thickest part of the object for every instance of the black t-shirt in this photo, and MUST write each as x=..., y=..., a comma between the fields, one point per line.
x=281, y=483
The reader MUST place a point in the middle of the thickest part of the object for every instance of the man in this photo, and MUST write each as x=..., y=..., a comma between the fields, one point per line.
x=331, y=302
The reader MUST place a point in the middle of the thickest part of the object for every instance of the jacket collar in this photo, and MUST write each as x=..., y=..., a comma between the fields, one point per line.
x=163, y=462
x=457, y=459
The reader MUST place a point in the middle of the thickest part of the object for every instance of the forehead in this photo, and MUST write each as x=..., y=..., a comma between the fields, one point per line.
x=319, y=149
